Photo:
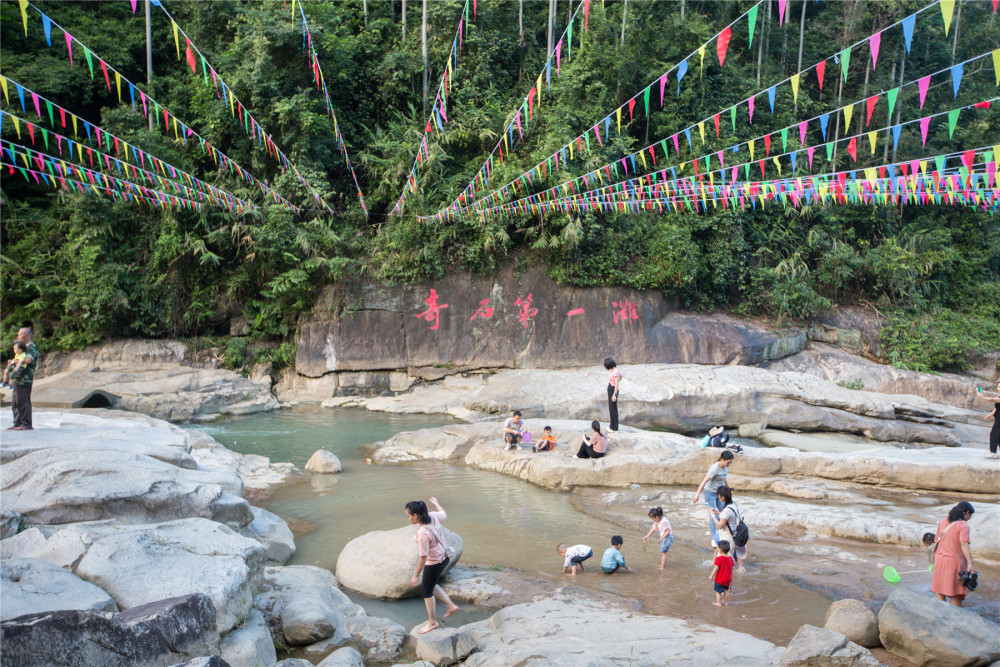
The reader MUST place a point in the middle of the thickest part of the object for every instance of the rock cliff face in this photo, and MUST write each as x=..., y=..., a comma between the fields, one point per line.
x=463, y=322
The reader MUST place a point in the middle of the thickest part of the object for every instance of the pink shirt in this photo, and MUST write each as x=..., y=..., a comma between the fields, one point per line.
x=614, y=375
x=430, y=539
x=663, y=526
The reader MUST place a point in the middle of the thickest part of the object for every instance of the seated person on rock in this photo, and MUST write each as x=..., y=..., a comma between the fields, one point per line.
x=719, y=437
x=547, y=442
x=512, y=430
x=594, y=447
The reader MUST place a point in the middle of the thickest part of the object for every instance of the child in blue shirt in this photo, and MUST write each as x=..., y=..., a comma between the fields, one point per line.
x=613, y=559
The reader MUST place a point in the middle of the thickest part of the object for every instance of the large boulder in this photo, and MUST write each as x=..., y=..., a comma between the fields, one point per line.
x=380, y=638
x=87, y=432
x=443, y=646
x=32, y=586
x=926, y=631
x=566, y=630
x=323, y=462
x=249, y=645
x=53, y=486
x=163, y=633
x=137, y=564
x=304, y=603
x=854, y=620
x=344, y=657
x=380, y=564
x=819, y=647
x=271, y=530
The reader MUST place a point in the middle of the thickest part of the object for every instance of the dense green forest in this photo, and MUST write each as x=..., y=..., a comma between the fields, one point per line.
x=81, y=268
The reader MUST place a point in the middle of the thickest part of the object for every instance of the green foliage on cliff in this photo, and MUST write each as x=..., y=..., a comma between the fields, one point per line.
x=80, y=269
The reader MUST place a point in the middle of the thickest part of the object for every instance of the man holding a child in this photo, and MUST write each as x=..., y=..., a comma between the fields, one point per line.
x=22, y=377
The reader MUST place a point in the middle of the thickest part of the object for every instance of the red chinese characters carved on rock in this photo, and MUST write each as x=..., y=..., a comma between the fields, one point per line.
x=432, y=314
x=527, y=311
x=485, y=310
x=624, y=311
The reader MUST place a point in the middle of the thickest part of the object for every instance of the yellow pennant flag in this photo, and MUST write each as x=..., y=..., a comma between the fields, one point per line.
x=996, y=67
x=232, y=104
x=947, y=9
x=24, y=159
x=701, y=130
x=118, y=82
x=75, y=134
x=3, y=84
x=923, y=167
x=871, y=175
x=175, y=129
x=777, y=163
x=701, y=69
x=17, y=126
x=293, y=12
x=872, y=137
x=571, y=150
x=795, y=88
x=750, y=144
x=848, y=113
x=538, y=87
x=79, y=151
x=177, y=42
x=642, y=154
x=24, y=14
x=618, y=113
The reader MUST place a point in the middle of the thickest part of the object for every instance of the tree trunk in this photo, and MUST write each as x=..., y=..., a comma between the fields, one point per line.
x=760, y=42
x=364, y=8
x=958, y=22
x=520, y=19
x=767, y=34
x=404, y=20
x=624, y=14
x=802, y=30
x=683, y=2
x=548, y=41
x=423, y=37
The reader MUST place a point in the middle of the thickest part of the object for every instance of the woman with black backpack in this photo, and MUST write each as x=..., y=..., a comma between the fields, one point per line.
x=731, y=526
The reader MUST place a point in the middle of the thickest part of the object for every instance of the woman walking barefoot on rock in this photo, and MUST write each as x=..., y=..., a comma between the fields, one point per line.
x=952, y=555
x=614, y=384
x=433, y=558
x=995, y=416
x=715, y=478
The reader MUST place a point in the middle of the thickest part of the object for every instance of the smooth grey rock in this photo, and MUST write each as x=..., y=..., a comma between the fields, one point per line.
x=443, y=646
x=752, y=430
x=137, y=564
x=164, y=444
x=187, y=623
x=324, y=462
x=380, y=564
x=344, y=657
x=293, y=662
x=22, y=544
x=56, y=487
x=10, y=521
x=32, y=586
x=271, y=530
x=250, y=644
x=854, y=620
x=207, y=661
x=418, y=663
x=926, y=631
x=304, y=603
x=819, y=647
x=381, y=638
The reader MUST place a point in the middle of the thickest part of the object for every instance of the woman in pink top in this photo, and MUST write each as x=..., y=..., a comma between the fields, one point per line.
x=952, y=555
x=433, y=558
x=614, y=383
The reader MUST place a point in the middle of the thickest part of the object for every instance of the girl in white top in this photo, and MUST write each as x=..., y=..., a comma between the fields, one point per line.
x=661, y=524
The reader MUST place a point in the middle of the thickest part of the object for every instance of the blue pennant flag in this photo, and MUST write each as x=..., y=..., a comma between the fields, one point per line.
x=896, y=129
x=20, y=93
x=687, y=134
x=794, y=158
x=47, y=26
x=908, y=31
x=681, y=71
x=956, y=77
x=770, y=97
x=824, y=120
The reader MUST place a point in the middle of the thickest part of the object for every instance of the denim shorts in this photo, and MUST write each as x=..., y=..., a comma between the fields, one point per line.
x=666, y=542
x=719, y=588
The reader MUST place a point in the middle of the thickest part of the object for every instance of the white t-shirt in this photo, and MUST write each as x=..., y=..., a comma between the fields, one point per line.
x=716, y=477
x=663, y=526
x=518, y=427
x=574, y=551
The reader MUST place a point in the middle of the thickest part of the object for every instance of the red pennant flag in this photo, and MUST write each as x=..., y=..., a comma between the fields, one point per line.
x=716, y=120
x=723, y=44
x=978, y=105
x=586, y=14
x=104, y=69
x=852, y=148
x=820, y=71
x=190, y=56
x=872, y=101
x=531, y=102
x=767, y=145
x=631, y=105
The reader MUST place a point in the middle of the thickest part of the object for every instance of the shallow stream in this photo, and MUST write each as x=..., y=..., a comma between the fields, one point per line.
x=505, y=522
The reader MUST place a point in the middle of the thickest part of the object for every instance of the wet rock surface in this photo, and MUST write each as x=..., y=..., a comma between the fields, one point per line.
x=32, y=586
x=820, y=647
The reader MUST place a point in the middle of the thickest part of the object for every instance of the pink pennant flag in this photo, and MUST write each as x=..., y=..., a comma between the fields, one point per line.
x=558, y=55
x=38, y=109
x=722, y=162
x=991, y=168
x=922, y=85
x=925, y=123
x=750, y=104
x=663, y=83
x=914, y=169
x=723, y=44
x=519, y=125
x=874, y=42
x=810, y=151
x=142, y=96
x=133, y=6
x=781, y=12
x=69, y=46
x=677, y=146
x=802, y=132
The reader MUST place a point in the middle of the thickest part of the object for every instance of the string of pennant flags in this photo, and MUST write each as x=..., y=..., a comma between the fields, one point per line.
x=732, y=178
x=897, y=183
x=749, y=146
x=439, y=111
x=104, y=138
x=722, y=39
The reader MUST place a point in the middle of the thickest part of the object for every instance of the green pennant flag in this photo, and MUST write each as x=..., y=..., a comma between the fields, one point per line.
x=746, y=171
x=204, y=70
x=732, y=116
x=586, y=139
x=939, y=162
x=45, y=137
x=48, y=106
x=829, y=151
x=90, y=62
x=784, y=140
x=645, y=100
x=891, y=95
x=663, y=145
x=845, y=61
x=569, y=41
x=752, y=21
x=952, y=121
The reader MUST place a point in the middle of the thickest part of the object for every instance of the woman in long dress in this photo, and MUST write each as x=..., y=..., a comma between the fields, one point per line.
x=433, y=558
x=953, y=554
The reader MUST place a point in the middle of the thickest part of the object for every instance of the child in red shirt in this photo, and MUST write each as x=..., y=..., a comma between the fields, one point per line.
x=722, y=574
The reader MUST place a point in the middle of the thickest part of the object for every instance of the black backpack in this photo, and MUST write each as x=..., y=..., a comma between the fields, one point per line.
x=742, y=534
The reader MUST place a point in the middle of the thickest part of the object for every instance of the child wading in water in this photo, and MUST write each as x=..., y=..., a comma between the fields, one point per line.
x=666, y=535
x=722, y=574
x=613, y=559
x=574, y=556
